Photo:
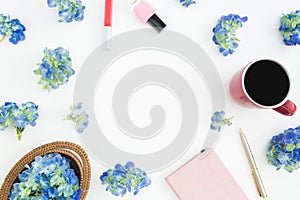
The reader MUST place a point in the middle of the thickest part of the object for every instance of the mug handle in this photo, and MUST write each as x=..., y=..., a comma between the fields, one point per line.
x=288, y=108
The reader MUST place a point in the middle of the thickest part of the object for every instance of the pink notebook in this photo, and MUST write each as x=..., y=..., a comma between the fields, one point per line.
x=206, y=179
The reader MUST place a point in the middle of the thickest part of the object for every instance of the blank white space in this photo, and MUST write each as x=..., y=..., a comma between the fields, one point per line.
x=145, y=98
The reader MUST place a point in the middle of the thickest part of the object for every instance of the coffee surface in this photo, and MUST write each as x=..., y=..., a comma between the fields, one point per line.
x=266, y=82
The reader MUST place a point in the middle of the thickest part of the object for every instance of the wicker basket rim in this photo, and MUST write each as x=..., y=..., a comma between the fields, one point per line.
x=74, y=151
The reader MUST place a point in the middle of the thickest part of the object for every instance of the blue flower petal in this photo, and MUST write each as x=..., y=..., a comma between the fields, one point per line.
x=11, y=28
x=123, y=179
x=224, y=33
x=69, y=10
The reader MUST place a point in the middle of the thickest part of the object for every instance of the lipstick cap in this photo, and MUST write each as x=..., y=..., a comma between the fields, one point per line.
x=156, y=23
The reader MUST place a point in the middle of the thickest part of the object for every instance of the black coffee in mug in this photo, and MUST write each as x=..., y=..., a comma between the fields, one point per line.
x=266, y=82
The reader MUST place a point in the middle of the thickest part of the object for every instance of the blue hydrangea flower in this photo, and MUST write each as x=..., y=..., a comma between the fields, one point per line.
x=4, y=118
x=11, y=28
x=48, y=177
x=187, y=3
x=290, y=28
x=68, y=10
x=125, y=178
x=12, y=115
x=218, y=120
x=55, y=69
x=284, y=150
x=225, y=33
x=79, y=116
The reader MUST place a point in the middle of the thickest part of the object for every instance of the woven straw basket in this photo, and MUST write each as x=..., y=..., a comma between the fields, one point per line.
x=79, y=161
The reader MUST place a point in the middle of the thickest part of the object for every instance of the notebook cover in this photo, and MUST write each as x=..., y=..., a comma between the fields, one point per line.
x=206, y=179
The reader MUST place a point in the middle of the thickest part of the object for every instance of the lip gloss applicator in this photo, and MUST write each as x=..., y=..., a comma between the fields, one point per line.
x=108, y=23
x=146, y=13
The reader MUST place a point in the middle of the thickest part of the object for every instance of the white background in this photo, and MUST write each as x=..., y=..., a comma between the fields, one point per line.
x=259, y=37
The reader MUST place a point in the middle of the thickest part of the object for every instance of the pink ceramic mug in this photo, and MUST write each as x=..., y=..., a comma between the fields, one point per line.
x=263, y=84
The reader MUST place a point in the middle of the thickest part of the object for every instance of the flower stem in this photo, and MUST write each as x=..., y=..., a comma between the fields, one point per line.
x=227, y=121
x=19, y=132
x=3, y=37
x=230, y=118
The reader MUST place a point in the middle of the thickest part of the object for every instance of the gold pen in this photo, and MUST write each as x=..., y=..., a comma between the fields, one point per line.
x=254, y=170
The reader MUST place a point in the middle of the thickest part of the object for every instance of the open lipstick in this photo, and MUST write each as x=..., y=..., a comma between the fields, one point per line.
x=146, y=13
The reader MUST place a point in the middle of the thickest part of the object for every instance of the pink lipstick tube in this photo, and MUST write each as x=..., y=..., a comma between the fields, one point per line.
x=146, y=13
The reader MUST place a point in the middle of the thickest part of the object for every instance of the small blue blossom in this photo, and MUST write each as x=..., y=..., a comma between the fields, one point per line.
x=51, y=3
x=68, y=10
x=284, y=150
x=218, y=120
x=225, y=33
x=290, y=28
x=187, y=3
x=125, y=178
x=48, y=177
x=12, y=115
x=11, y=28
x=79, y=116
x=17, y=36
x=55, y=69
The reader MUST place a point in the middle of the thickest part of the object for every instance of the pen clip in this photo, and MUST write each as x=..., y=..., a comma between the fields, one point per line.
x=204, y=153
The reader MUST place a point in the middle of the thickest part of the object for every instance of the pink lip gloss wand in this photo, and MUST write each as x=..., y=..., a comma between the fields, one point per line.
x=146, y=13
x=108, y=23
